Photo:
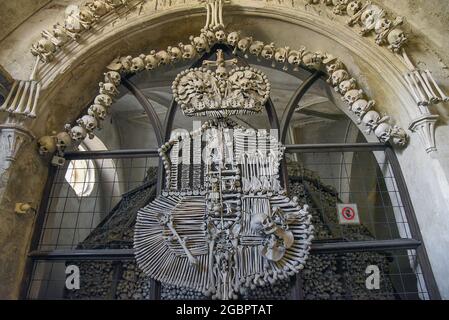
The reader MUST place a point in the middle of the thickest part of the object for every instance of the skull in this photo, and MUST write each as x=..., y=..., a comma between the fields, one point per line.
x=47, y=144
x=382, y=25
x=371, y=119
x=396, y=39
x=313, y=60
x=268, y=51
x=200, y=43
x=340, y=6
x=294, y=58
x=361, y=106
x=86, y=17
x=233, y=38
x=112, y=77
x=383, y=132
x=175, y=54
x=221, y=73
x=334, y=66
x=352, y=96
x=78, y=133
x=126, y=62
x=210, y=36
x=164, y=57
x=256, y=48
x=151, y=61
x=244, y=44
x=108, y=88
x=45, y=46
x=98, y=111
x=137, y=64
x=370, y=16
x=399, y=136
x=88, y=122
x=245, y=84
x=98, y=8
x=339, y=76
x=353, y=7
x=72, y=24
x=63, y=141
x=188, y=51
x=280, y=55
x=220, y=35
x=347, y=85
x=103, y=99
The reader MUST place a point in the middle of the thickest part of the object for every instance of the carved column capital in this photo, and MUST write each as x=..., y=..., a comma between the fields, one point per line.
x=424, y=125
x=12, y=138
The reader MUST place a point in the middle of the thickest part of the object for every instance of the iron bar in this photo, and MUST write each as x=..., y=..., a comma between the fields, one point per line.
x=413, y=224
x=293, y=103
x=334, y=147
x=147, y=106
x=317, y=248
x=115, y=154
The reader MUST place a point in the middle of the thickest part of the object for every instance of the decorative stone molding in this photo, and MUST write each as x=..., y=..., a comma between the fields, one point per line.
x=425, y=127
x=12, y=139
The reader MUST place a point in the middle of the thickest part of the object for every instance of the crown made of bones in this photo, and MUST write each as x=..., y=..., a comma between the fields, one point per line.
x=223, y=92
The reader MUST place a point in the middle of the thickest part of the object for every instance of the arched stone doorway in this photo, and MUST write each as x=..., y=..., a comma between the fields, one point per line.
x=72, y=81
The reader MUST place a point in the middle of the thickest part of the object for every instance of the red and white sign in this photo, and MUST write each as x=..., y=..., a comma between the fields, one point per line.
x=348, y=213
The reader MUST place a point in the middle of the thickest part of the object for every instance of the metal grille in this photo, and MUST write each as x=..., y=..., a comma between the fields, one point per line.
x=87, y=221
x=320, y=177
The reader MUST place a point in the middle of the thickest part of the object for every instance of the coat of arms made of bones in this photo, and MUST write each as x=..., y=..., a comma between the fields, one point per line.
x=223, y=222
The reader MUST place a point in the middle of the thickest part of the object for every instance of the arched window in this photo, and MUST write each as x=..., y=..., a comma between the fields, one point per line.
x=81, y=176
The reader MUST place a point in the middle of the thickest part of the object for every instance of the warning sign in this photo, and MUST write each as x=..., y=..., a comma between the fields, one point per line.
x=348, y=213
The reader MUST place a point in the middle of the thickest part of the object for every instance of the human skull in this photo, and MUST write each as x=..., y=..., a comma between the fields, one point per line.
x=163, y=57
x=347, y=85
x=47, y=144
x=45, y=46
x=103, y=99
x=151, y=61
x=294, y=58
x=188, y=51
x=399, y=136
x=334, y=66
x=280, y=55
x=313, y=60
x=86, y=17
x=112, y=77
x=244, y=43
x=99, y=8
x=268, y=51
x=126, y=62
x=210, y=36
x=383, y=132
x=200, y=43
x=221, y=73
x=353, y=7
x=233, y=38
x=88, y=122
x=175, y=54
x=352, y=96
x=371, y=120
x=361, y=106
x=340, y=6
x=108, y=88
x=382, y=25
x=78, y=133
x=98, y=111
x=396, y=39
x=370, y=16
x=256, y=48
x=245, y=84
x=220, y=35
x=338, y=76
x=63, y=141
x=137, y=64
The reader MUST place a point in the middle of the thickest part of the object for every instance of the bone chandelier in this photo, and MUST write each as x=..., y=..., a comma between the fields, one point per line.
x=223, y=222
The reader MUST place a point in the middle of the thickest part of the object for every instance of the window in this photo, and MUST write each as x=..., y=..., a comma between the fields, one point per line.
x=81, y=176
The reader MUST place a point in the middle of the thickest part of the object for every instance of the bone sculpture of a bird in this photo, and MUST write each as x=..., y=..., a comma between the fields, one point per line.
x=222, y=223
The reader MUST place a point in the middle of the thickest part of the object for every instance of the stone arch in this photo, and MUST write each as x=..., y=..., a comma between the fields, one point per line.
x=72, y=78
